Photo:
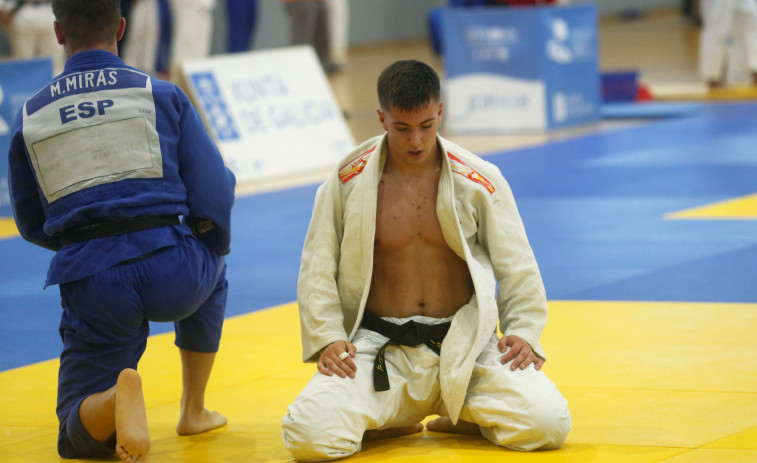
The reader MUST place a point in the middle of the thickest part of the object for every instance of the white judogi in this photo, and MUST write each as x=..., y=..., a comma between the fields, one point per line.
x=192, y=30
x=32, y=34
x=481, y=224
x=141, y=48
x=726, y=20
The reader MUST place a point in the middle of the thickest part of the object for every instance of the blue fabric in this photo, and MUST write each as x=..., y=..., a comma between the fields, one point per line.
x=195, y=183
x=74, y=440
x=165, y=20
x=104, y=325
x=112, y=287
x=242, y=16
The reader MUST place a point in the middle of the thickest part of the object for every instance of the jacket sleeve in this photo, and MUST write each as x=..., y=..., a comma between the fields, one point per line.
x=28, y=209
x=209, y=184
x=521, y=298
x=321, y=316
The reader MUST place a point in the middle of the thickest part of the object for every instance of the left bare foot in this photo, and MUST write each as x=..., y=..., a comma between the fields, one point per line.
x=444, y=424
x=196, y=423
x=133, y=438
x=374, y=434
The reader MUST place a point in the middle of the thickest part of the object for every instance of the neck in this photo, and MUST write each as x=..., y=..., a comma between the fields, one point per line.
x=430, y=164
x=72, y=50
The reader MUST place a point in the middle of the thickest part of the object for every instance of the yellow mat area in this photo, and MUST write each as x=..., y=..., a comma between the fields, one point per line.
x=646, y=382
x=7, y=228
x=743, y=208
x=702, y=93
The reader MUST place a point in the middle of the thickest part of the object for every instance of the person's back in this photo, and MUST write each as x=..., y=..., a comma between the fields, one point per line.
x=114, y=170
x=104, y=143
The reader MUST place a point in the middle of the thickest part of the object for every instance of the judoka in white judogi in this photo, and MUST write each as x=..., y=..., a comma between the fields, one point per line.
x=519, y=409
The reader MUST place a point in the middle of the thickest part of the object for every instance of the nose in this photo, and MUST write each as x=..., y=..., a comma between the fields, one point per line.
x=416, y=137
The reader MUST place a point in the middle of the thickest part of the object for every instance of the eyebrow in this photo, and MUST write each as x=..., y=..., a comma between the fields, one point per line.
x=430, y=119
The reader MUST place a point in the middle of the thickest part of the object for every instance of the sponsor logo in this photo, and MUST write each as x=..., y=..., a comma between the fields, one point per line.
x=354, y=167
x=468, y=172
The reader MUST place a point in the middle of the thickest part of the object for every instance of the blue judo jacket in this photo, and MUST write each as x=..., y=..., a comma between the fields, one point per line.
x=104, y=142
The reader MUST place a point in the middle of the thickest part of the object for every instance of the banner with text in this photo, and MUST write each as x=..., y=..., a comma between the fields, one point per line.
x=272, y=113
x=516, y=69
x=19, y=80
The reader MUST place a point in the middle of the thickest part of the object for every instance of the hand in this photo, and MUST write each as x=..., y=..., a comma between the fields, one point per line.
x=330, y=363
x=520, y=351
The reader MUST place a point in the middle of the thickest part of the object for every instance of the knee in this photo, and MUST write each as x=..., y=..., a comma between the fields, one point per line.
x=551, y=423
x=316, y=439
x=544, y=425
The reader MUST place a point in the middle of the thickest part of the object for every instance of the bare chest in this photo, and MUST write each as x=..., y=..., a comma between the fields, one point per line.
x=407, y=213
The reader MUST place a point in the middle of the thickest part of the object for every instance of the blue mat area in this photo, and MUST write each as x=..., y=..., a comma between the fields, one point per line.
x=593, y=207
x=648, y=109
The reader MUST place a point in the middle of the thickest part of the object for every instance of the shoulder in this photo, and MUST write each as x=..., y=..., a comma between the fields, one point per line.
x=165, y=89
x=353, y=164
x=471, y=169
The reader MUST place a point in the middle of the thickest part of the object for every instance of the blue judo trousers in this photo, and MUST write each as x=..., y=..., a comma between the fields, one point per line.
x=105, y=146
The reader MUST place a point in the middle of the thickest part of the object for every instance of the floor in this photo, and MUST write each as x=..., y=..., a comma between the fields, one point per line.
x=646, y=235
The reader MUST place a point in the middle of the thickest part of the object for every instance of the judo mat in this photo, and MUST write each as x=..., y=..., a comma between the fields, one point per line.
x=646, y=237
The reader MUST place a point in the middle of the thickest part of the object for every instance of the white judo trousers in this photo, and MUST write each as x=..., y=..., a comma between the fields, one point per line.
x=32, y=35
x=520, y=410
x=727, y=22
x=141, y=48
x=192, y=30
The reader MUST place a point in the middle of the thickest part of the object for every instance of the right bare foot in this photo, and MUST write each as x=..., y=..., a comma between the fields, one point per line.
x=132, y=434
x=196, y=423
x=444, y=424
x=374, y=434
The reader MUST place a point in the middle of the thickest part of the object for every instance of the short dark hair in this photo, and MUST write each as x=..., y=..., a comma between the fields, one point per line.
x=407, y=85
x=88, y=20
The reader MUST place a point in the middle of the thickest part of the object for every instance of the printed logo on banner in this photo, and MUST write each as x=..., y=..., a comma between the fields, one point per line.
x=512, y=69
x=272, y=110
x=215, y=106
x=493, y=70
x=572, y=73
x=558, y=48
x=491, y=43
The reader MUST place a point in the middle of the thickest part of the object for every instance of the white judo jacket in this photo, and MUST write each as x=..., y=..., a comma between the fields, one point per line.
x=480, y=223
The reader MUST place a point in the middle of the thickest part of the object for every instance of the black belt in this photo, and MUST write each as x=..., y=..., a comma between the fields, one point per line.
x=118, y=227
x=409, y=334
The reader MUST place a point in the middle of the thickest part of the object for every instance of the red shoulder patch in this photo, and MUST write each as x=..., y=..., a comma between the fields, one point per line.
x=468, y=172
x=354, y=167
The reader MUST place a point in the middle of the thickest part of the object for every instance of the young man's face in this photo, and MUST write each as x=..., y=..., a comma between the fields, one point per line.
x=412, y=134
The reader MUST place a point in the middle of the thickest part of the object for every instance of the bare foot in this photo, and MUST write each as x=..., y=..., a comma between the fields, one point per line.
x=195, y=423
x=133, y=437
x=444, y=424
x=374, y=434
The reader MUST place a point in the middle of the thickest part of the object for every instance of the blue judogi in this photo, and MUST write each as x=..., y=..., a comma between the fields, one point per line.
x=106, y=143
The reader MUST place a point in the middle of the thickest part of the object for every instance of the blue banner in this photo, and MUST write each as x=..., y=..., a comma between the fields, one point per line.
x=512, y=69
x=19, y=81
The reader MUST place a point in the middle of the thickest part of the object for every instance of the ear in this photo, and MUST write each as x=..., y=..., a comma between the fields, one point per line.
x=121, y=29
x=59, y=33
x=441, y=107
x=382, y=119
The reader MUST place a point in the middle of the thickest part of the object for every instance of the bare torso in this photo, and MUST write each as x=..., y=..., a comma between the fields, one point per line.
x=414, y=270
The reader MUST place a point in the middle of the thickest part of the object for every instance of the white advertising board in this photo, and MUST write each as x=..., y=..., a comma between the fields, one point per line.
x=272, y=113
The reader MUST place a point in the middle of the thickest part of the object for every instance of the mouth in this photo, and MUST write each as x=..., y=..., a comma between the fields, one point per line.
x=416, y=153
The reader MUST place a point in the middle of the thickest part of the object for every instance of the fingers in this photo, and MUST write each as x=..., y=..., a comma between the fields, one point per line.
x=520, y=352
x=522, y=360
x=337, y=358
